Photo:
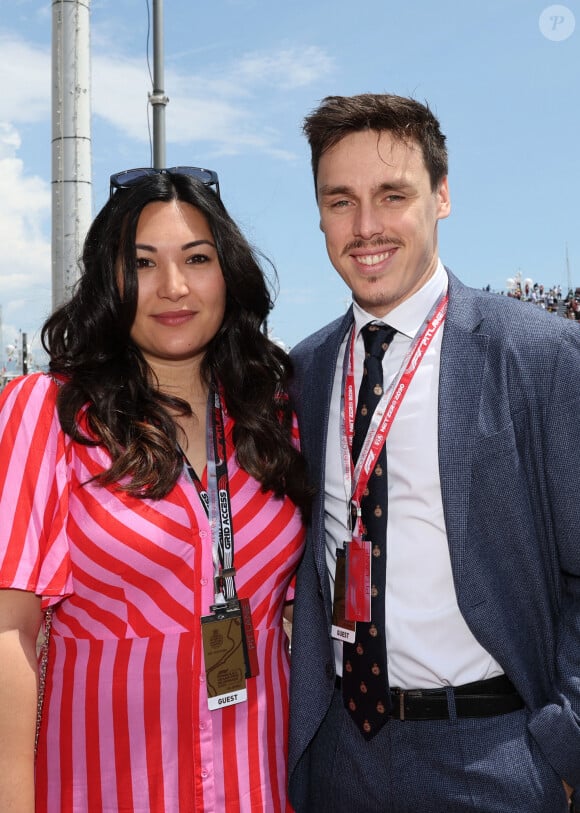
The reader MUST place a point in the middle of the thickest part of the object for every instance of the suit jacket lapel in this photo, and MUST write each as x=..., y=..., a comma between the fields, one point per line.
x=318, y=382
x=463, y=358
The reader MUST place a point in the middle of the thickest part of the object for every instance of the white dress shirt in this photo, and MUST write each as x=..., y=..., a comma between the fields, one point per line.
x=428, y=642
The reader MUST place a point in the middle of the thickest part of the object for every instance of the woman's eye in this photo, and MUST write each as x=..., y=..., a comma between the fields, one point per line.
x=143, y=262
x=198, y=259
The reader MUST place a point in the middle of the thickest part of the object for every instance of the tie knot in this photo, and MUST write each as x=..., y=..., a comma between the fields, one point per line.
x=377, y=338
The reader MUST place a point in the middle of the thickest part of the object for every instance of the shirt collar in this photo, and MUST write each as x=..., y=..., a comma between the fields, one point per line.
x=408, y=317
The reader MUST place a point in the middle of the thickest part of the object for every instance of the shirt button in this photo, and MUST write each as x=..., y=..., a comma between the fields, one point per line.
x=204, y=774
x=203, y=534
x=203, y=582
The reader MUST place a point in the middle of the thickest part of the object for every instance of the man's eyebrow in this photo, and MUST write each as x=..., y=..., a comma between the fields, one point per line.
x=388, y=186
x=327, y=189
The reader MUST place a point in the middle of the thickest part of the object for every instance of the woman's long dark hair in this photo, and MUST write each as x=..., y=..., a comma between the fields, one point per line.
x=90, y=348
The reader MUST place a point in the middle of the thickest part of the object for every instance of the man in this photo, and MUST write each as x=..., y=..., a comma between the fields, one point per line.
x=457, y=687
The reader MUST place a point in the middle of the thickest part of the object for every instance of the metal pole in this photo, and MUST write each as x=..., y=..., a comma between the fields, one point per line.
x=71, y=142
x=24, y=354
x=157, y=97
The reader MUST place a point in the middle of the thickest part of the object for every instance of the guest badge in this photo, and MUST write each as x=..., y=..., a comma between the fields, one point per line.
x=223, y=650
x=342, y=629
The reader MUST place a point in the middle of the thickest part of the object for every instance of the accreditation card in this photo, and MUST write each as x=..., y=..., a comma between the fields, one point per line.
x=358, y=580
x=225, y=664
x=342, y=629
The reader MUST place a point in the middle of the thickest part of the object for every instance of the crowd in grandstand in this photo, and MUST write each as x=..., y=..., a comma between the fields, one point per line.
x=551, y=299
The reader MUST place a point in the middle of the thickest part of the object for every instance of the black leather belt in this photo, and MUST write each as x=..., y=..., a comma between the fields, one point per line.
x=484, y=698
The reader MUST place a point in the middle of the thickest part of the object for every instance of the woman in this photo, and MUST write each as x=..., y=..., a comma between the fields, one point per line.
x=149, y=481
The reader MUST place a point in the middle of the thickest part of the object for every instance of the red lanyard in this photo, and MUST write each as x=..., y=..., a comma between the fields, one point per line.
x=387, y=408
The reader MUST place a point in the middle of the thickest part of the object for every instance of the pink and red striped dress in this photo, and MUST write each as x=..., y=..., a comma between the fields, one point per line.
x=126, y=725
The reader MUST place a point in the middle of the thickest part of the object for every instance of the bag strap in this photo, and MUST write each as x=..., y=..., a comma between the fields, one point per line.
x=42, y=666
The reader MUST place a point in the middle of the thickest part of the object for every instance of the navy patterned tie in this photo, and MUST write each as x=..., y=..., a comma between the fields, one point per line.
x=365, y=686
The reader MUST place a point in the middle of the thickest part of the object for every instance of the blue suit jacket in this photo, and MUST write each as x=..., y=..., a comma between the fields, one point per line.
x=509, y=460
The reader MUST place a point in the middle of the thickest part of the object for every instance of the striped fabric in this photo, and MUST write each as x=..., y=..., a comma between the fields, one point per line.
x=126, y=725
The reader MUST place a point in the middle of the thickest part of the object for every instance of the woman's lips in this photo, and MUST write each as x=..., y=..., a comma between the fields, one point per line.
x=173, y=318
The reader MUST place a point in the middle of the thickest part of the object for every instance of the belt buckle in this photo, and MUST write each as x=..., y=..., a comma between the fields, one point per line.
x=403, y=693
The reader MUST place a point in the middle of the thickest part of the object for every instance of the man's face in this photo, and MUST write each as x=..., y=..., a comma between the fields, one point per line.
x=379, y=217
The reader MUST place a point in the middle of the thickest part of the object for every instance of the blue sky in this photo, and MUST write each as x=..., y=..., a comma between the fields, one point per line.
x=241, y=75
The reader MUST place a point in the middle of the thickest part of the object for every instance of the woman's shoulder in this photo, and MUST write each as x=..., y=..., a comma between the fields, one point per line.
x=38, y=384
x=34, y=392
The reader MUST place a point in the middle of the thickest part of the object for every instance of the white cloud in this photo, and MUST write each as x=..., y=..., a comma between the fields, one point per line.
x=287, y=69
x=25, y=276
x=24, y=210
x=124, y=105
x=10, y=140
x=218, y=107
x=24, y=79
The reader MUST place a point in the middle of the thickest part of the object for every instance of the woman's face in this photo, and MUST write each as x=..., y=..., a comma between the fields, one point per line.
x=181, y=289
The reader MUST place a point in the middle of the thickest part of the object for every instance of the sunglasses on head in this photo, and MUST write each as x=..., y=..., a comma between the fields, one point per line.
x=128, y=177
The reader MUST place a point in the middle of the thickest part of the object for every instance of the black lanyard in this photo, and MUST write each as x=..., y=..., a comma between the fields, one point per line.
x=216, y=501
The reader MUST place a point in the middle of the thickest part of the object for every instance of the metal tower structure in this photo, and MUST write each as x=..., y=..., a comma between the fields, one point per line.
x=71, y=142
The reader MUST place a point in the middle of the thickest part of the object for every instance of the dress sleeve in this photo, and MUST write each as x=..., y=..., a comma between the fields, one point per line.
x=34, y=554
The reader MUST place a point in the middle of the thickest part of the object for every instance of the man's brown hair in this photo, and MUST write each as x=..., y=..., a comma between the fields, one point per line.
x=406, y=119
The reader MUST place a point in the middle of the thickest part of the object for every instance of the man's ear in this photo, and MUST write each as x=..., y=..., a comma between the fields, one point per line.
x=443, y=200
